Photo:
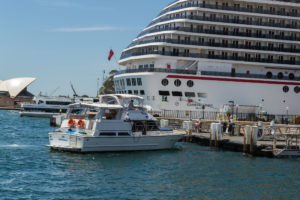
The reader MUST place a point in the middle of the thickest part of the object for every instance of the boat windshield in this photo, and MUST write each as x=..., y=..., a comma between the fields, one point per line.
x=137, y=102
x=83, y=112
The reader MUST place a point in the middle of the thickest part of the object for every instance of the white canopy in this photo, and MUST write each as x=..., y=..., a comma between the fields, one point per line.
x=15, y=86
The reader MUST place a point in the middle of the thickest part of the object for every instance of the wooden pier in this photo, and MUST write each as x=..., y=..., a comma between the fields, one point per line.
x=265, y=140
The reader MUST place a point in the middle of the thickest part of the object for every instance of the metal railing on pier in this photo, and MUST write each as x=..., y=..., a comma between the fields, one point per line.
x=210, y=115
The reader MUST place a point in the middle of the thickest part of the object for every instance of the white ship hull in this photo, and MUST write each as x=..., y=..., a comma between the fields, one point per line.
x=81, y=143
x=265, y=95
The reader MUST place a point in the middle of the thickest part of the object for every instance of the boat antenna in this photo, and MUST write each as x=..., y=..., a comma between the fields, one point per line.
x=75, y=94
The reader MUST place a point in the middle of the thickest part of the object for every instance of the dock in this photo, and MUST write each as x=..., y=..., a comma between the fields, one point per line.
x=266, y=140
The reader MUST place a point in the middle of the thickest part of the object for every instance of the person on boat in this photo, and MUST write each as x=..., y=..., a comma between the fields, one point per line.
x=127, y=118
x=130, y=105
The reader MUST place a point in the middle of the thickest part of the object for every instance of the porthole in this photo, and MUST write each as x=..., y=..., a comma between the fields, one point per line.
x=165, y=82
x=269, y=75
x=280, y=75
x=286, y=89
x=177, y=82
x=291, y=76
x=297, y=89
x=190, y=83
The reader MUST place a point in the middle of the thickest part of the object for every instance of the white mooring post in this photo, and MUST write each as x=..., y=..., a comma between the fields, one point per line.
x=212, y=133
x=253, y=143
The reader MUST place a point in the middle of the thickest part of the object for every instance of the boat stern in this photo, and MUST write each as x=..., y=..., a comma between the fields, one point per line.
x=66, y=141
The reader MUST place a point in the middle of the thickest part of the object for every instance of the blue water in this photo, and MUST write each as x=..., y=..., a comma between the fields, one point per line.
x=29, y=170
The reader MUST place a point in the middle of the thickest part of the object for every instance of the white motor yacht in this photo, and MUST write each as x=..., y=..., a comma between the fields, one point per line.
x=118, y=123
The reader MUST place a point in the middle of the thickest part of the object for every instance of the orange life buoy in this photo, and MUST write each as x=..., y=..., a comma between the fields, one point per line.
x=71, y=122
x=198, y=123
x=80, y=123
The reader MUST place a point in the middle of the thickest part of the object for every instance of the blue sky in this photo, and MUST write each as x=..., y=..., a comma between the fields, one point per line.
x=58, y=41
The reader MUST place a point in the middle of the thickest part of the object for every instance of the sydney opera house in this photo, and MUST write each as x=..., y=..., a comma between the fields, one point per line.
x=13, y=92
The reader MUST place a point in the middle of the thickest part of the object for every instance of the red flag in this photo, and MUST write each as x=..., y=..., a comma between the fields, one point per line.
x=111, y=54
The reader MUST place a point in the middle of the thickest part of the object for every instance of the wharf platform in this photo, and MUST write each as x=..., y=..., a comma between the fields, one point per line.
x=233, y=143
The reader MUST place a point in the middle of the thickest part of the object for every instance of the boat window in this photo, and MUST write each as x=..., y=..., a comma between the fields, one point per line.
x=142, y=92
x=139, y=81
x=152, y=126
x=129, y=91
x=133, y=80
x=136, y=92
x=165, y=82
x=76, y=112
x=128, y=81
x=291, y=76
x=137, y=126
x=189, y=94
x=202, y=95
x=92, y=112
x=177, y=82
x=107, y=134
x=269, y=75
x=109, y=100
x=110, y=114
x=57, y=103
x=123, y=134
x=164, y=93
x=190, y=83
x=297, y=89
x=280, y=75
x=286, y=89
x=177, y=94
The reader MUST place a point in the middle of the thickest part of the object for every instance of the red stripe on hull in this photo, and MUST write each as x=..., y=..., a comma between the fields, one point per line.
x=232, y=80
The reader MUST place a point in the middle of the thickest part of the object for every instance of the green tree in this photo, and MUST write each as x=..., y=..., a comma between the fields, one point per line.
x=108, y=86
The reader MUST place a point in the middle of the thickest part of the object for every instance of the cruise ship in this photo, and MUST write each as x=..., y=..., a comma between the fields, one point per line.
x=201, y=54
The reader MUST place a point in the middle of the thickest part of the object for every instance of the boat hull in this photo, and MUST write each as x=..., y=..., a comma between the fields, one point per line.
x=82, y=143
x=37, y=114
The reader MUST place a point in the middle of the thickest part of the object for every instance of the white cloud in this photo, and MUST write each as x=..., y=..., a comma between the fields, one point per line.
x=86, y=29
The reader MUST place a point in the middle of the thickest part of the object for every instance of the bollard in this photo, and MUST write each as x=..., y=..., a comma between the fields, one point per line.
x=218, y=134
x=253, y=142
x=212, y=133
x=247, y=138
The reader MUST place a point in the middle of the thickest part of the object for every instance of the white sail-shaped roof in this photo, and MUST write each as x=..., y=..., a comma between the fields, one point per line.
x=15, y=86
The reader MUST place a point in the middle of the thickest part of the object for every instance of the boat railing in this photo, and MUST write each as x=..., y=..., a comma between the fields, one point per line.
x=231, y=8
x=176, y=71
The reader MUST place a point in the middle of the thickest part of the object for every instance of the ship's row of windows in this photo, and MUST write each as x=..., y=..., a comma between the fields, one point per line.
x=177, y=83
x=146, y=66
x=274, y=10
x=280, y=75
x=129, y=82
x=210, y=54
x=233, y=19
x=225, y=30
x=135, y=92
x=181, y=94
x=286, y=89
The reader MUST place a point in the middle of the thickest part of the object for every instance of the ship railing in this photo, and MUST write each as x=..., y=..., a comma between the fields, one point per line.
x=220, y=32
x=175, y=71
x=232, y=8
x=211, y=56
x=215, y=44
x=211, y=115
x=226, y=20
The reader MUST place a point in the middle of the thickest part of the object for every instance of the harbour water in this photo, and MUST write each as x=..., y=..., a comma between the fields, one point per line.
x=29, y=170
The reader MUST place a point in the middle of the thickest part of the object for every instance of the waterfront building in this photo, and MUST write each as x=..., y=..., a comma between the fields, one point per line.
x=13, y=92
x=200, y=54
